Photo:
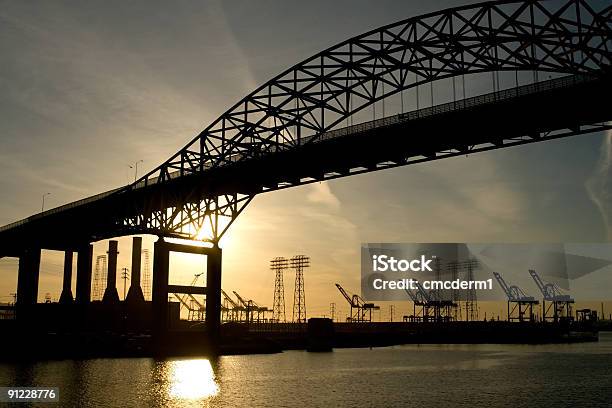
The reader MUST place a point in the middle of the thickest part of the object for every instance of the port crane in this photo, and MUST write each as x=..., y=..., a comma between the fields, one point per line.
x=519, y=303
x=420, y=305
x=183, y=299
x=252, y=309
x=260, y=310
x=559, y=305
x=247, y=305
x=429, y=306
x=196, y=310
x=231, y=310
x=360, y=310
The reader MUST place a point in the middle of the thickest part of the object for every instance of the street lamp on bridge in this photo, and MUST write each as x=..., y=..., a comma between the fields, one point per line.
x=135, y=167
x=42, y=207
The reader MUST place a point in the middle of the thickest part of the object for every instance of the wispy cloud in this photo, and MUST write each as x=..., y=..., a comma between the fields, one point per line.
x=599, y=185
x=320, y=193
x=30, y=174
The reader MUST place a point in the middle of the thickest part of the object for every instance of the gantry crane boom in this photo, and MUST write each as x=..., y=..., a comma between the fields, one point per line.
x=504, y=286
x=241, y=300
x=348, y=297
x=356, y=302
x=550, y=291
x=422, y=292
x=364, y=304
x=259, y=307
x=411, y=295
x=194, y=300
x=513, y=292
x=229, y=300
x=419, y=295
x=541, y=286
x=182, y=301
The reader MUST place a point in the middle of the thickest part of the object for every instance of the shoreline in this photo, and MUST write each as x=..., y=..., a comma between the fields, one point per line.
x=239, y=339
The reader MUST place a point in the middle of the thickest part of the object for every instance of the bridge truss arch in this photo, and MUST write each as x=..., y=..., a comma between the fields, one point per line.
x=317, y=95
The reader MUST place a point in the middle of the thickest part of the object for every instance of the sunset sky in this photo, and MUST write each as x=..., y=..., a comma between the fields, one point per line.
x=86, y=89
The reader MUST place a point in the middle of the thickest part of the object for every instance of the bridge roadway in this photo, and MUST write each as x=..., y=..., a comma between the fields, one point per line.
x=551, y=109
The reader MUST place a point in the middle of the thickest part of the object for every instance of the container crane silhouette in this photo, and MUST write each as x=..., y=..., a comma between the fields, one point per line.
x=519, y=303
x=360, y=310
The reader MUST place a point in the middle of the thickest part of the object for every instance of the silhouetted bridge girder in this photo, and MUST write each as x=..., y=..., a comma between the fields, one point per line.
x=290, y=131
x=532, y=113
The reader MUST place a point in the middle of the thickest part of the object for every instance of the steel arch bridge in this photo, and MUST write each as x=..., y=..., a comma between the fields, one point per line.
x=289, y=131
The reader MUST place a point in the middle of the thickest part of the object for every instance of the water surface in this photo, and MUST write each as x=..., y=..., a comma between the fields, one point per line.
x=572, y=375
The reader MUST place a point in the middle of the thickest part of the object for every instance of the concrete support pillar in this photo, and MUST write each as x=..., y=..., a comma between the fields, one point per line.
x=27, y=280
x=161, y=262
x=213, y=291
x=161, y=265
x=66, y=296
x=135, y=294
x=83, y=284
x=110, y=293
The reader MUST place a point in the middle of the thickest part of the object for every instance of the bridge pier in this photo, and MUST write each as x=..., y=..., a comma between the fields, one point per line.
x=66, y=296
x=159, y=297
x=83, y=284
x=213, y=293
x=110, y=293
x=161, y=288
x=27, y=279
x=135, y=295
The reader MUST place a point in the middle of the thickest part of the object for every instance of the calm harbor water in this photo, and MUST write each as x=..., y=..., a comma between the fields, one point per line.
x=576, y=375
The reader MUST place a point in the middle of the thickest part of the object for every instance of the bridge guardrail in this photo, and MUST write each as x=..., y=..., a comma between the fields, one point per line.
x=453, y=106
x=419, y=114
x=59, y=209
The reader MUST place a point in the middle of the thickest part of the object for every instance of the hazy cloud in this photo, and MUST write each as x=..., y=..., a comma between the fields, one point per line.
x=599, y=185
x=320, y=193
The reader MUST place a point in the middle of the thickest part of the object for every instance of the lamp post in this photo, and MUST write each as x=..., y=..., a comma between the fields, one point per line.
x=42, y=208
x=135, y=167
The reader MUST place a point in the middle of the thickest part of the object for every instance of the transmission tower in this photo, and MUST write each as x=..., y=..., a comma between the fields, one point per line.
x=99, y=278
x=453, y=268
x=438, y=272
x=332, y=311
x=299, y=262
x=146, y=277
x=278, y=265
x=471, y=302
x=125, y=275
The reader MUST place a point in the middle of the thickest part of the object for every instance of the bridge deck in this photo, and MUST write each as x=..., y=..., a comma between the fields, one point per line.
x=551, y=109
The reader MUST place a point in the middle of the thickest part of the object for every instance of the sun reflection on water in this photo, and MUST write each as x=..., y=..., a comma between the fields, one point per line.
x=192, y=380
